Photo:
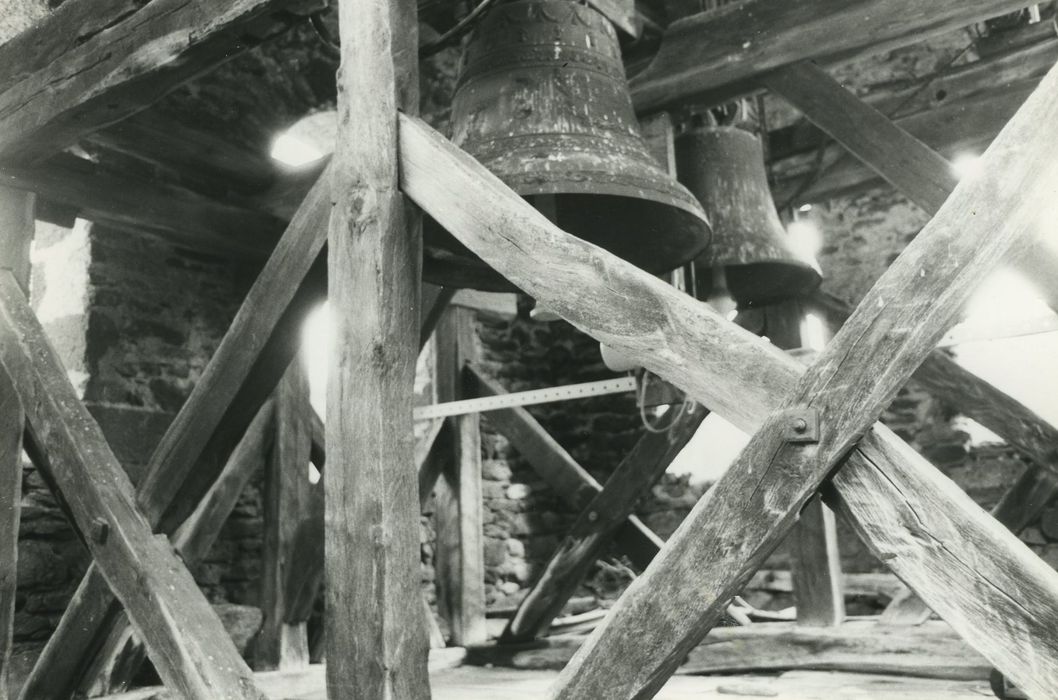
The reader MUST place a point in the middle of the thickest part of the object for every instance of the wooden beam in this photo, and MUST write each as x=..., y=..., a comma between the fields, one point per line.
x=119, y=659
x=900, y=320
x=195, y=155
x=458, y=513
x=570, y=481
x=11, y=428
x=117, y=70
x=815, y=561
x=287, y=505
x=170, y=212
x=16, y=238
x=263, y=338
x=716, y=55
x=184, y=637
x=923, y=174
x=538, y=257
x=858, y=646
x=375, y=642
x=597, y=524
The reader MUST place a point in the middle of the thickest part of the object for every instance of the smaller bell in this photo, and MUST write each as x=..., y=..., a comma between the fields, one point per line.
x=750, y=255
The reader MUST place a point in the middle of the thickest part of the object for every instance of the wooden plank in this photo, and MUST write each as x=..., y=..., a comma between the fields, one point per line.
x=861, y=646
x=245, y=368
x=184, y=637
x=570, y=481
x=121, y=656
x=815, y=561
x=287, y=505
x=117, y=70
x=597, y=524
x=713, y=56
x=16, y=234
x=11, y=428
x=459, y=507
x=375, y=642
x=741, y=378
x=153, y=207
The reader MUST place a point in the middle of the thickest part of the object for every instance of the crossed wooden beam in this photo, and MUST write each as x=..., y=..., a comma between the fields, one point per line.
x=962, y=563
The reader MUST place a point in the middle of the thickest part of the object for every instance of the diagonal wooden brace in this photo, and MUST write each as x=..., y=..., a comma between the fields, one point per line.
x=741, y=378
x=186, y=640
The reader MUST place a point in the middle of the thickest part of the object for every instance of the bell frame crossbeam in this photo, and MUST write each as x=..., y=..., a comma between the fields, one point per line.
x=873, y=478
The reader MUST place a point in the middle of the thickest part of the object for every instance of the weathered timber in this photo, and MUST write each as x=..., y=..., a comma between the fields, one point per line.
x=193, y=154
x=16, y=237
x=183, y=635
x=522, y=245
x=117, y=70
x=171, y=212
x=732, y=530
x=375, y=643
x=864, y=646
x=815, y=561
x=713, y=56
x=121, y=656
x=815, y=564
x=568, y=479
x=597, y=524
x=949, y=88
x=459, y=510
x=239, y=378
x=16, y=234
x=287, y=506
x=925, y=176
x=11, y=428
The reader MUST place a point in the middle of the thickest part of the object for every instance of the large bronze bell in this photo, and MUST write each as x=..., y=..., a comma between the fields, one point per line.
x=543, y=103
x=750, y=253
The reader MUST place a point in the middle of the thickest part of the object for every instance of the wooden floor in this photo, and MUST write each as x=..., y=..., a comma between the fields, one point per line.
x=476, y=683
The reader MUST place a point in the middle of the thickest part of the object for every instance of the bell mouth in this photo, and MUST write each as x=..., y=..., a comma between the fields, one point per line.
x=654, y=236
x=762, y=283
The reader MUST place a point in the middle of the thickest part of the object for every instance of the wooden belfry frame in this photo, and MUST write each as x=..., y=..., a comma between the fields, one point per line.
x=814, y=429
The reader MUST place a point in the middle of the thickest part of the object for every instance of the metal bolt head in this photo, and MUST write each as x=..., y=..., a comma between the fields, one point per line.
x=800, y=425
x=592, y=516
x=100, y=531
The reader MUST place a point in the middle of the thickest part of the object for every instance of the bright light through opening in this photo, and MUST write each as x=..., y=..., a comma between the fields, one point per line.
x=294, y=151
x=813, y=332
x=806, y=239
x=966, y=165
x=317, y=337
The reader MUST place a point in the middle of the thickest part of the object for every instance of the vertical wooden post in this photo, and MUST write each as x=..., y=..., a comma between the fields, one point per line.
x=460, y=548
x=815, y=561
x=283, y=641
x=375, y=642
x=16, y=235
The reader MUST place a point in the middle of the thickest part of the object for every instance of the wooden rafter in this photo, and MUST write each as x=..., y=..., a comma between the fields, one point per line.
x=517, y=241
x=168, y=211
x=121, y=656
x=716, y=55
x=184, y=637
x=99, y=75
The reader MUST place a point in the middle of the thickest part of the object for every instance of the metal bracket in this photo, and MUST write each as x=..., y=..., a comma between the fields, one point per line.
x=801, y=425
